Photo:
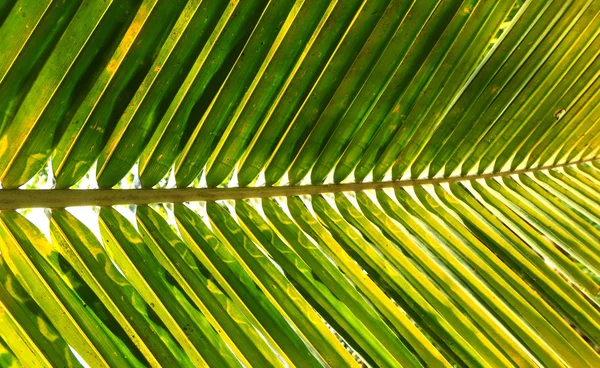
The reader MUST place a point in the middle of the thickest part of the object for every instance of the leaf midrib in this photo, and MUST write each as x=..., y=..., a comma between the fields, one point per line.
x=58, y=198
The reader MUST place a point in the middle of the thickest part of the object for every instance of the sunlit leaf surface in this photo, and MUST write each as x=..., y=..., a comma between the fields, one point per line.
x=481, y=118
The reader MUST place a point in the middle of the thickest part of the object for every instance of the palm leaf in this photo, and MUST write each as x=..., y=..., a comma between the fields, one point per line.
x=332, y=183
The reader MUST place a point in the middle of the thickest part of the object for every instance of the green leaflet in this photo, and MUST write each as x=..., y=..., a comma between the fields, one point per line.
x=140, y=118
x=351, y=240
x=387, y=106
x=484, y=350
x=364, y=284
x=324, y=89
x=557, y=289
x=562, y=191
x=395, y=133
x=27, y=141
x=456, y=69
x=95, y=118
x=321, y=298
x=7, y=358
x=354, y=86
x=294, y=46
x=516, y=313
x=221, y=311
x=378, y=335
x=430, y=306
x=328, y=245
x=11, y=41
x=38, y=341
x=310, y=71
x=513, y=80
x=249, y=91
x=37, y=267
x=222, y=261
x=261, y=267
x=487, y=149
x=576, y=60
x=218, y=53
x=191, y=329
x=136, y=317
x=29, y=53
x=235, y=90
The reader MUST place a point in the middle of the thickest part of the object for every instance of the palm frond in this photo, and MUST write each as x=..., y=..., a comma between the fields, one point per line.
x=495, y=272
x=374, y=183
x=294, y=91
